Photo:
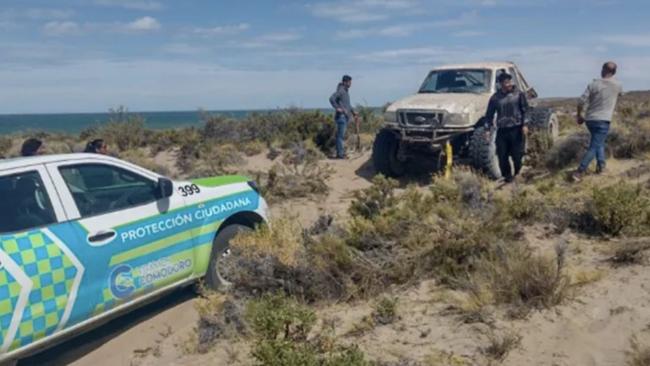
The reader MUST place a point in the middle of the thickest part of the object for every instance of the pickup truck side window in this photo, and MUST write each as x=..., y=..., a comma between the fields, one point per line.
x=25, y=203
x=100, y=188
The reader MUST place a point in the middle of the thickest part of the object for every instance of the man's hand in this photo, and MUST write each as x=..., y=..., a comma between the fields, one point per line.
x=580, y=120
x=525, y=130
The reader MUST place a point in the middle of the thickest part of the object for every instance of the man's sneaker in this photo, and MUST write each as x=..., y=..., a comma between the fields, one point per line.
x=601, y=170
x=576, y=176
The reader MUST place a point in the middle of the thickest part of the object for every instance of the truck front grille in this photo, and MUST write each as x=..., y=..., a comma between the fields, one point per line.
x=421, y=119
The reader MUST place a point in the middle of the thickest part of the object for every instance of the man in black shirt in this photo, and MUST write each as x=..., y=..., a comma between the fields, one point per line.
x=510, y=107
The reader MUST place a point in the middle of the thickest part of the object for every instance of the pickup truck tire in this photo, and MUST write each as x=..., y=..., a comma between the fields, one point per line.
x=384, y=155
x=216, y=277
x=483, y=152
x=545, y=120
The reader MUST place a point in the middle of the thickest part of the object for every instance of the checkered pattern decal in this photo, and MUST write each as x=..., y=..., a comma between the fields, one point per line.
x=9, y=293
x=52, y=274
x=108, y=302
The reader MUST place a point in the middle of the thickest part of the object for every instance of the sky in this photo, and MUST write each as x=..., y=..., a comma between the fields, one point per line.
x=60, y=56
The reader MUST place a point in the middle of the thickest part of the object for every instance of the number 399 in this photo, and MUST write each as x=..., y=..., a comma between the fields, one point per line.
x=189, y=190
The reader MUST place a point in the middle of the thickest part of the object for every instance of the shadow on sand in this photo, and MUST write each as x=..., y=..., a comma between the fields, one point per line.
x=83, y=344
x=418, y=172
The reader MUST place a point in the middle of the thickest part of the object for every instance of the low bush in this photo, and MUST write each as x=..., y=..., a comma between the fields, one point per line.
x=618, y=209
x=385, y=310
x=220, y=317
x=302, y=180
x=282, y=328
x=515, y=276
x=370, y=202
x=141, y=158
x=501, y=344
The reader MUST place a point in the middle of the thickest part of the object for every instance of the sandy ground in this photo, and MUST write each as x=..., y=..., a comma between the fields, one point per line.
x=593, y=328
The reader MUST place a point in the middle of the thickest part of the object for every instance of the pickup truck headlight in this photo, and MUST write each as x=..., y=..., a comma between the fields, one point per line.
x=456, y=119
x=390, y=117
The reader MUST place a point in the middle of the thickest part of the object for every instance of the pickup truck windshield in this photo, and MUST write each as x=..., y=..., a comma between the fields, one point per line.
x=457, y=81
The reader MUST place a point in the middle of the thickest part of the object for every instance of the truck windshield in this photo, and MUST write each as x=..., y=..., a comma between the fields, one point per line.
x=457, y=81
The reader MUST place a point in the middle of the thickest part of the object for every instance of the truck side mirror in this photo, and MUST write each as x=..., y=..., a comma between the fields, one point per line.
x=531, y=93
x=164, y=188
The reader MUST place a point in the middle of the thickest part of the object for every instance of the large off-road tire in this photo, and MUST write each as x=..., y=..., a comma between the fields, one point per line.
x=483, y=151
x=545, y=120
x=384, y=155
x=216, y=277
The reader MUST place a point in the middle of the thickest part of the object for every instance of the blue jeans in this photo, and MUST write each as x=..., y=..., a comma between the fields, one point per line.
x=341, y=126
x=598, y=130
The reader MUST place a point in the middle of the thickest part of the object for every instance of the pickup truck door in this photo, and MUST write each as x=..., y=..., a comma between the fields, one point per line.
x=40, y=273
x=131, y=242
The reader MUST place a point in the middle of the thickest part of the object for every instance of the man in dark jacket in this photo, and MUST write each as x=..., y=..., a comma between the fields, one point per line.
x=340, y=100
x=510, y=107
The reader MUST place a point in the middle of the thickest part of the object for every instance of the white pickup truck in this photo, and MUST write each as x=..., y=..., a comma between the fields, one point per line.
x=85, y=237
x=449, y=107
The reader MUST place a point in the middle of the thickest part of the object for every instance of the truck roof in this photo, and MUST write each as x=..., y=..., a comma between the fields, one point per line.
x=478, y=65
x=20, y=162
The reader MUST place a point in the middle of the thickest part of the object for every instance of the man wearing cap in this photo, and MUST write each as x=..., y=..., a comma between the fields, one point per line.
x=340, y=100
x=600, y=98
x=511, y=109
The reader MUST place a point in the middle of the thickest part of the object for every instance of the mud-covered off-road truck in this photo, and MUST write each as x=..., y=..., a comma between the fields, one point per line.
x=450, y=108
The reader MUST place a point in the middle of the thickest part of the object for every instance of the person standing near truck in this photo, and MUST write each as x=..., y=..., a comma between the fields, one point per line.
x=340, y=101
x=600, y=98
x=510, y=106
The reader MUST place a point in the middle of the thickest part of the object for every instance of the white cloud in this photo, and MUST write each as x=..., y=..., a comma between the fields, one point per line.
x=222, y=30
x=132, y=4
x=629, y=40
x=143, y=24
x=361, y=11
x=60, y=28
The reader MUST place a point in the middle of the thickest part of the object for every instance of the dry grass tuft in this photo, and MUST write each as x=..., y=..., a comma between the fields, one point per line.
x=638, y=355
x=501, y=344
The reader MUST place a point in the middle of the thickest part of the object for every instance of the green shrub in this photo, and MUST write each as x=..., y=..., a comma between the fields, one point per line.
x=5, y=145
x=369, y=202
x=276, y=317
x=282, y=326
x=621, y=208
x=385, y=310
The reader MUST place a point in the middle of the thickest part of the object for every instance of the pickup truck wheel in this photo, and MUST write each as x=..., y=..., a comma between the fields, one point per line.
x=483, y=152
x=384, y=155
x=220, y=259
x=545, y=120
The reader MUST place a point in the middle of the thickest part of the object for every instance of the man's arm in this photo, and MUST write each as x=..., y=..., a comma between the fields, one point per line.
x=584, y=100
x=525, y=108
x=334, y=100
x=491, y=111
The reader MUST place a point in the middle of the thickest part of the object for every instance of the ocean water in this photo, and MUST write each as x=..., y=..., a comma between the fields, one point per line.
x=76, y=122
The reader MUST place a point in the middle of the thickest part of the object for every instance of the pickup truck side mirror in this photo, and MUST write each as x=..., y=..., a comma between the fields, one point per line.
x=531, y=93
x=164, y=188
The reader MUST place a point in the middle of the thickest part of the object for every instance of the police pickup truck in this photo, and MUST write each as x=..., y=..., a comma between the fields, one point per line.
x=86, y=237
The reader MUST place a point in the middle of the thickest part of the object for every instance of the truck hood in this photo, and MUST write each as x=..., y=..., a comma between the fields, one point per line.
x=465, y=103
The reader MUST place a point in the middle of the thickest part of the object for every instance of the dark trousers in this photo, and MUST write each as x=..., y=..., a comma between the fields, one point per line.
x=510, y=144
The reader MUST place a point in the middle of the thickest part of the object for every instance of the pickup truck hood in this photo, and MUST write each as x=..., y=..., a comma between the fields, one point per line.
x=473, y=105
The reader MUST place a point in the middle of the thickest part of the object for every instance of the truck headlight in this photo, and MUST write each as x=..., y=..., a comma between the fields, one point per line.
x=456, y=119
x=390, y=117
